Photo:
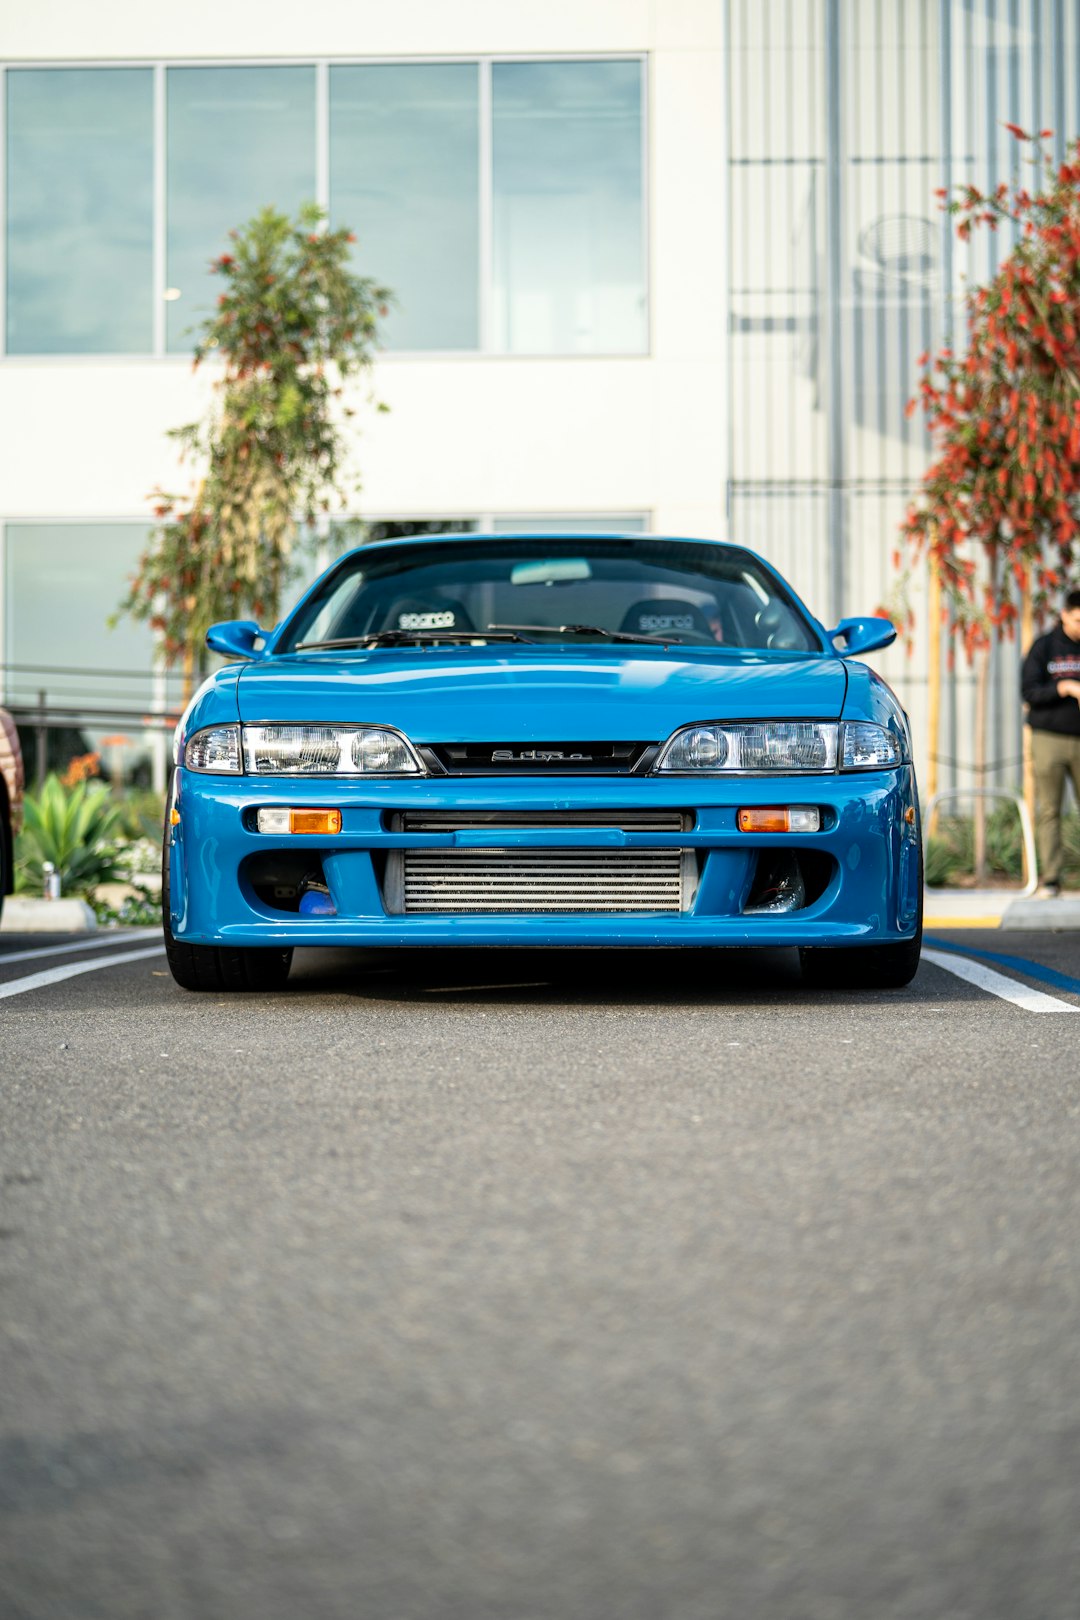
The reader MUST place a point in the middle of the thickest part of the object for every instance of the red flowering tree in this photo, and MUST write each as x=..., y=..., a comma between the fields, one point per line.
x=998, y=514
x=999, y=509
x=292, y=326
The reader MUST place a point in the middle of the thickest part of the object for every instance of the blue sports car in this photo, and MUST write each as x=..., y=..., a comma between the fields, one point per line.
x=532, y=740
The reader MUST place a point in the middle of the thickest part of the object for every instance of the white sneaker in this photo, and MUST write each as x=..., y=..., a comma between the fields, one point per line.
x=1048, y=891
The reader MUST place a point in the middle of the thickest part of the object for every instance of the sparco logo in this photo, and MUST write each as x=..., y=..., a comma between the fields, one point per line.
x=508, y=755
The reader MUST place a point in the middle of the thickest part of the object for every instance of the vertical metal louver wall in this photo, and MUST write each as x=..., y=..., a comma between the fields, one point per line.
x=845, y=117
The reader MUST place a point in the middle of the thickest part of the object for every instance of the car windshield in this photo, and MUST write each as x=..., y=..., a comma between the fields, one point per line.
x=545, y=590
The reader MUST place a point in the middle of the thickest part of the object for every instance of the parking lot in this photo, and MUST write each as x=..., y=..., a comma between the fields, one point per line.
x=515, y=1286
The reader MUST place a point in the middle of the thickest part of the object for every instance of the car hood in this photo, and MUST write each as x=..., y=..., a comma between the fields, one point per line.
x=477, y=694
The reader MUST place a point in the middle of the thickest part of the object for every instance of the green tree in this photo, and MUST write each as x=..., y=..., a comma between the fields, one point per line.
x=292, y=326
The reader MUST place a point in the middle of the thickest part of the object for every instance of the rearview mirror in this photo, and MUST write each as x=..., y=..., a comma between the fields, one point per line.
x=863, y=635
x=551, y=571
x=236, y=638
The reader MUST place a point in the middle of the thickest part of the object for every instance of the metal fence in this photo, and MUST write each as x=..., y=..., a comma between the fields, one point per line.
x=125, y=716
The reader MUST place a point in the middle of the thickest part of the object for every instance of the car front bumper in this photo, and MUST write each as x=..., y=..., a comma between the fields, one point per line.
x=870, y=834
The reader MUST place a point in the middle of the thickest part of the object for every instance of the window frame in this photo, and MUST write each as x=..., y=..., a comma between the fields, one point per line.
x=484, y=63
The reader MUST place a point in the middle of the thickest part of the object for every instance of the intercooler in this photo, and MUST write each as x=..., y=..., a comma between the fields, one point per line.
x=441, y=880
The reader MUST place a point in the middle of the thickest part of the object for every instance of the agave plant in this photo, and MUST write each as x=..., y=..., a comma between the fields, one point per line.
x=76, y=829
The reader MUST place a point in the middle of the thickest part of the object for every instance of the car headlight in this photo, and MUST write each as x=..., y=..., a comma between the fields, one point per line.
x=215, y=750
x=770, y=745
x=868, y=747
x=328, y=751
x=794, y=746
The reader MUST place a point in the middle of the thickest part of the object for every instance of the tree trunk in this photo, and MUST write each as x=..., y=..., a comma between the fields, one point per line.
x=933, y=681
x=1027, y=636
x=982, y=691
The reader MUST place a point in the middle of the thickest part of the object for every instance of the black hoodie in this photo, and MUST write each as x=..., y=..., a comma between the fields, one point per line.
x=1053, y=657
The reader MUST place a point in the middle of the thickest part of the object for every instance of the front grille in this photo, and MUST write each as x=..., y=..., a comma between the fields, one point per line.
x=532, y=880
x=432, y=821
x=540, y=758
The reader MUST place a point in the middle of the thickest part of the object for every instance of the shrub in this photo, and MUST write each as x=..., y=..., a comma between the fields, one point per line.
x=138, y=910
x=1005, y=842
x=950, y=854
x=942, y=862
x=142, y=814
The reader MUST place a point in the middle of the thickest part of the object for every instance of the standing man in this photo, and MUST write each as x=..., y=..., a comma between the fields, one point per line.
x=1050, y=686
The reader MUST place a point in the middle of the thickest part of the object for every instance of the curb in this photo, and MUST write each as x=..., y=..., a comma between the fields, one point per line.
x=1000, y=908
x=24, y=915
x=931, y=919
x=1037, y=914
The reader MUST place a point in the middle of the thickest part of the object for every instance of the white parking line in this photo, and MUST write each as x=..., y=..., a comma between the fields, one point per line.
x=91, y=943
x=997, y=984
x=38, y=981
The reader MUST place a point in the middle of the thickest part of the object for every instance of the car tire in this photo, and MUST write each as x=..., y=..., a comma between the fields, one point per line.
x=862, y=967
x=219, y=967
x=865, y=967
x=4, y=836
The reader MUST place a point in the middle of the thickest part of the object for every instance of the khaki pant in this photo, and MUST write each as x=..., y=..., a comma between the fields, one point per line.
x=1052, y=755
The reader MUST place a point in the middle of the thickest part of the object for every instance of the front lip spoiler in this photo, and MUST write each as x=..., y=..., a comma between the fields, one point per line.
x=540, y=930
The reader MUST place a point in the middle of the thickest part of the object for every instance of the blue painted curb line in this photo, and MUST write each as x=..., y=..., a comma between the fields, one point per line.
x=1019, y=964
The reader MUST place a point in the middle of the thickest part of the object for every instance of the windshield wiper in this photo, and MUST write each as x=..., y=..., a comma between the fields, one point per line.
x=391, y=638
x=589, y=630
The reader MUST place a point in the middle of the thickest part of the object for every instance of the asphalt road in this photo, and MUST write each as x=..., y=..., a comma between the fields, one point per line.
x=533, y=1287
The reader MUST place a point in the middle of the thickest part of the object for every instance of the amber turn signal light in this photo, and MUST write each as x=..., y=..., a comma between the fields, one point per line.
x=773, y=818
x=315, y=821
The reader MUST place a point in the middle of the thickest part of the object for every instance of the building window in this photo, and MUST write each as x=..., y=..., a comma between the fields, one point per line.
x=80, y=210
x=238, y=139
x=502, y=202
x=95, y=687
x=404, y=175
x=62, y=582
x=569, y=271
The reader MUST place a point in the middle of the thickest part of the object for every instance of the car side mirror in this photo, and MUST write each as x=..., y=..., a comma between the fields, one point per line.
x=863, y=636
x=236, y=638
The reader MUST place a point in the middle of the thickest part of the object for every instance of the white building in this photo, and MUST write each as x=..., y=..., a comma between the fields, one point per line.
x=659, y=263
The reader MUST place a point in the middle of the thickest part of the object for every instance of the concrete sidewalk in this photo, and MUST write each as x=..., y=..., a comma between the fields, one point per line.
x=999, y=908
